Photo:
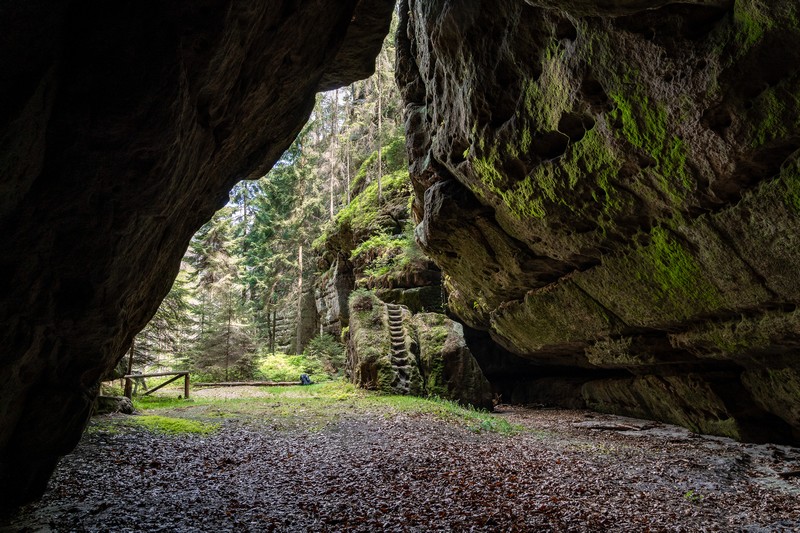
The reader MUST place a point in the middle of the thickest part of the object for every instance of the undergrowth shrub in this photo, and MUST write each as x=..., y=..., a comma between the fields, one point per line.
x=328, y=351
x=283, y=367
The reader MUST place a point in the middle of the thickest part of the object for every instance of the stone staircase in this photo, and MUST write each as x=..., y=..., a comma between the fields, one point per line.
x=400, y=358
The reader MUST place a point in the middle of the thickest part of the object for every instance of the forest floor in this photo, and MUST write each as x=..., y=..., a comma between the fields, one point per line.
x=331, y=458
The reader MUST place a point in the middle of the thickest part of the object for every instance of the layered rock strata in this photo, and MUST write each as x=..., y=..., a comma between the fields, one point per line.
x=613, y=187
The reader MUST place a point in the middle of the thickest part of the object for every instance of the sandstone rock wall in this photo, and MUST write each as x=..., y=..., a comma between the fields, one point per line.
x=612, y=187
x=395, y=351
x=331, y=290
x=447, y=366
x=123, y=126
x=286, y=331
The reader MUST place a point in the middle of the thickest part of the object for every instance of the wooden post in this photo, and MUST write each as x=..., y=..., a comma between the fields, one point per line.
x=186, y=387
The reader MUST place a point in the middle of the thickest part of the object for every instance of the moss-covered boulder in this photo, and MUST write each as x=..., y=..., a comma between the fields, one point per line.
x=372, y=354
x=425, y=354
x=446, y=364
x=612, y=188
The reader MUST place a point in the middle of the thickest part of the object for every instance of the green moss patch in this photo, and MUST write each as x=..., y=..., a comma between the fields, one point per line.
x=174, y=426
x=475, y=420
x=644, y=125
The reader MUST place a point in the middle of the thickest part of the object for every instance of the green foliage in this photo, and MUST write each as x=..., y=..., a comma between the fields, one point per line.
x=692, y=497
x=321, y=404
x=144, y=403
x=449, y=411
x=174, y=426
x=393, y=157
x=362, y=300
x=329, y=352
x=283, y=367
x=363, y=212
x=377, y=245
x=386, y=256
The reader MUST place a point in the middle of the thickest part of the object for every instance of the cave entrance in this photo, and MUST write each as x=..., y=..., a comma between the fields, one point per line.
x=245, y=305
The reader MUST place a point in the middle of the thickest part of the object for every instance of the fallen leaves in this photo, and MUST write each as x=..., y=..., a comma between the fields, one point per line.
x=416, y=473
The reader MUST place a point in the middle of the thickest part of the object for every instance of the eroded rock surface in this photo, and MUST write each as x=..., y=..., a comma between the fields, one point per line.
x=613, y=187
x=397, y=352
x=123, y=126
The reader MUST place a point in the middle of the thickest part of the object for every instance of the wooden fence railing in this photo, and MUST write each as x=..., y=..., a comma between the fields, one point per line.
x=178, y=375
x=249, y=384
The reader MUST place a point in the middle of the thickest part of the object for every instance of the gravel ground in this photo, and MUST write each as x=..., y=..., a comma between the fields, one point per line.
x=405, y=471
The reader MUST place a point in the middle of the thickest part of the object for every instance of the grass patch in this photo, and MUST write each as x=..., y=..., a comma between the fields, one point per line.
x=283, y=367
x=310, y=407
x=447, y=410
x=144, y=403
x=174, y=426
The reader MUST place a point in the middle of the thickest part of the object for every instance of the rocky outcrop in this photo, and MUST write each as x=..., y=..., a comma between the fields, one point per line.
x=331, y=290
x=113, y=404
x=425, y=354
x=285, y=331
x=123, y=126
x=447, y=366
x=418, y=299
x=307, y=320
x=611, y=190
x=378, y=348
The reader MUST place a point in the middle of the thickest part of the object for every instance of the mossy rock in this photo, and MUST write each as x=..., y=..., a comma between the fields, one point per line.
x=448, y=368
x=370, y=347
x=777, y=390
x=687, y=400
x=562, y=314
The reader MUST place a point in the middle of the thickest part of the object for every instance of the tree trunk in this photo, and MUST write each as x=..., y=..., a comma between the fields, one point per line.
x=128, y=382
x=380, y=127
x=299, y=299
x=335, y=145
x=347, y=168
x=228, y=332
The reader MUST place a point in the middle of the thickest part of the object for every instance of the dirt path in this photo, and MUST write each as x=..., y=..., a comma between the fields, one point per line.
x=388, y=470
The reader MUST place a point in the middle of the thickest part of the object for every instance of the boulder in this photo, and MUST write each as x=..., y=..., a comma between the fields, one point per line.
x=371, y=354
x=612, y=191
x=394, y=351
x=123, y=127
x=447, y=366
x=112, y=404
